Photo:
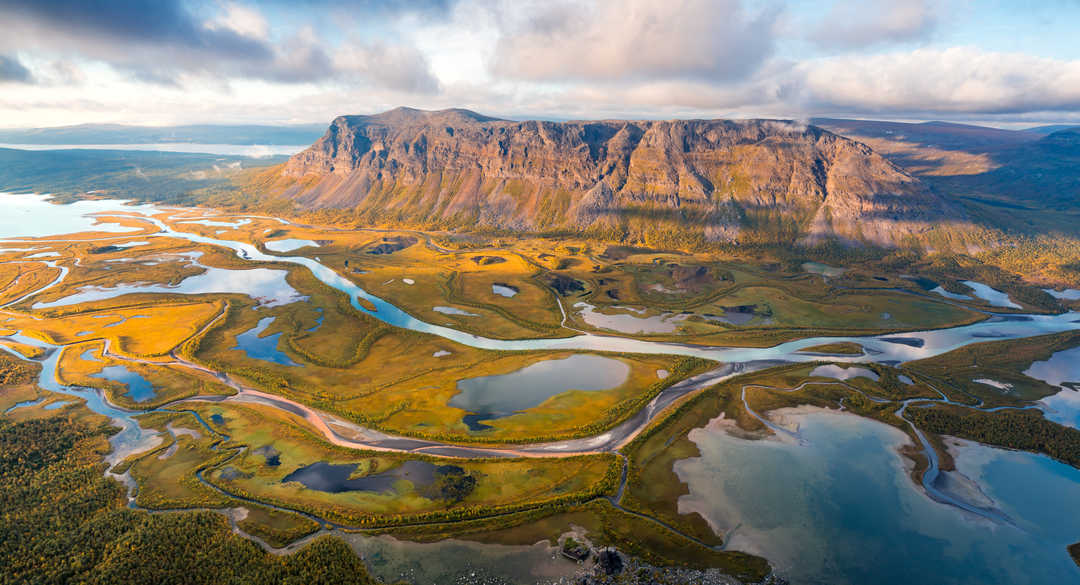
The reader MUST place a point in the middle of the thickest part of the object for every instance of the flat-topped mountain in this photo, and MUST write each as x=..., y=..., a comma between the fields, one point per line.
x=713, y=180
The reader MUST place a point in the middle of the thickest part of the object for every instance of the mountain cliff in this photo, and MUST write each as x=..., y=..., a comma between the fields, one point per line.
x=714, y=180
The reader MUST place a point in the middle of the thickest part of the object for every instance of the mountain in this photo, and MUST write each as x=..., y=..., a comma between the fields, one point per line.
x=198, y=134
x=1044, y=130
x=1016, y=180
x=943, y=135
x=739, y=181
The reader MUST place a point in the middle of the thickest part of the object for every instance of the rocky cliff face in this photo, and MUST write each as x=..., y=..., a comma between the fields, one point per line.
x=718, y=180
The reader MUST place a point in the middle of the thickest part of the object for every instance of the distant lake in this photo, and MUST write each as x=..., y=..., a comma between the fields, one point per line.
x=251, y=150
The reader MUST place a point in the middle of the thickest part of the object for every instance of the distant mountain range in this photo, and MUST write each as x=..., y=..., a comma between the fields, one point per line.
x=744, y=181
x=199, y=134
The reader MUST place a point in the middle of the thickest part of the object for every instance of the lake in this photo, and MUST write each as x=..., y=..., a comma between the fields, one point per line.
x=839, y=508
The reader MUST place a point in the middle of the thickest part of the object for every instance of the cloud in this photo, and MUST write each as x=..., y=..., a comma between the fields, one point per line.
x=961, y=79
x=626, y=40
x=242, y=20
x=396, y=67
x=12, y=70
x=851, y=24
x=166, y=42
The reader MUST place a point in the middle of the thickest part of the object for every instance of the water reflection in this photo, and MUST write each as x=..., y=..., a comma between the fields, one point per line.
x=839, y=508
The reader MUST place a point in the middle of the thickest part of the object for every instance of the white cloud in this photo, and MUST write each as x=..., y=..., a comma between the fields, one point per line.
x=396, y=67
x=863, y=23
x=241, y=19
x=961, y=79
x=620, y=40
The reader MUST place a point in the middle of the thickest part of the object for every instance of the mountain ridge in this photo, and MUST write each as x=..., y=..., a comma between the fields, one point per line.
x=733, y=181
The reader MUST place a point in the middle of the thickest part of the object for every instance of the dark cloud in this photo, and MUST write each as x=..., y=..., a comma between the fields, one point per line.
x=158, y=22
x=161, y=41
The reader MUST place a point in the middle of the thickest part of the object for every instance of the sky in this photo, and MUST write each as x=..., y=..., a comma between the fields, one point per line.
x=161, y=62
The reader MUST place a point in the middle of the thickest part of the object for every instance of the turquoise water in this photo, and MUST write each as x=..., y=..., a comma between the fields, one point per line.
x=839, y=508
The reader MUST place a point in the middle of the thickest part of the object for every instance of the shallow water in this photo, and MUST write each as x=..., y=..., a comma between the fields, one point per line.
x=1061, y=370
x=289, y=244
x=504, y=290
x=628, y=322
x=32, y=216
x=842, y=373
x=453, y=311
x=265, y=347
x=1069, y=294
x=839, y=508
x=266, y=285
x=993, y=296
x=504, y=394
x=139, y=389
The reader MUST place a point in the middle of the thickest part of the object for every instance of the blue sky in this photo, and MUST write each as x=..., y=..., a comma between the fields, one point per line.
x=241, y=61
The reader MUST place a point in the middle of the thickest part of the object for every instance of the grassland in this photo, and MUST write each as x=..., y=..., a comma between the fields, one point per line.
x=234, y=456
x=1000, y=361
x=502, y=485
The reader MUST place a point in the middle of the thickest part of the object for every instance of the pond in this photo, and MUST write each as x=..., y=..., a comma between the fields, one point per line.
x=491, y=397
x=453, y=311
x=504, y=290
x=839, y=508
x=139, y=389
x=822, y=269
x=335, y=478
x=842, y=373
x=263, y=347
x=628, y=322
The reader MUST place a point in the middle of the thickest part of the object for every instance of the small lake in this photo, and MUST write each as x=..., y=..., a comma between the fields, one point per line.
x=840, y=509
x=289, y=244
x=453, y=311
x=490, y=397
x=504, y=290
x=266, y=285
x=1061, y=370
x=822, y=269
x=139, y=389
x=335, y=478
x=263, y=347
x=843, y=373
x=629, y=322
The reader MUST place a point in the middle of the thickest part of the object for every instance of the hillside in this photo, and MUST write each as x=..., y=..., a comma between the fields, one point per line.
x=688, y=180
